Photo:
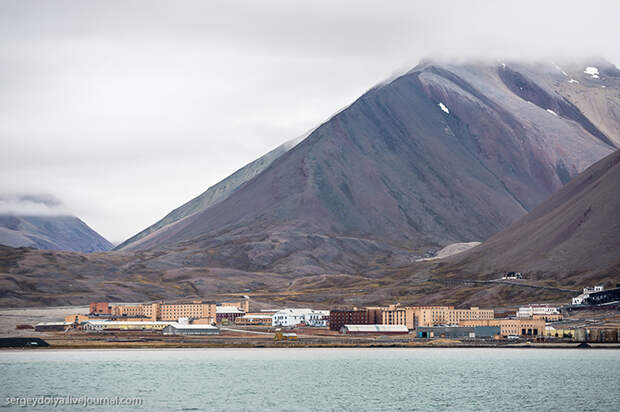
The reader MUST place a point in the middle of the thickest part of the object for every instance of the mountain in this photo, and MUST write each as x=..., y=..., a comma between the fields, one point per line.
x=42, y=227
x=445, y=153
x=214, y=194
x=573, y=235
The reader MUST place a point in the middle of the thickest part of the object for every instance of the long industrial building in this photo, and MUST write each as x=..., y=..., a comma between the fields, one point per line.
x=512, y=327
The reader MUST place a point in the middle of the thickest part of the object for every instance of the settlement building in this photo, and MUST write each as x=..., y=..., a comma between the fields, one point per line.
x=290, y=317
x=578, y=300
x=255, y=319
x=552, y=332
x=52, y=326
x=100, y=308
x=166, y=311
x=511, y=327
x=103, y=325
x=317, y=318
x=194, y=310
x=338, y=318
x=447, y=315
x=230, y=313
x=546, y=312
x=457, y=331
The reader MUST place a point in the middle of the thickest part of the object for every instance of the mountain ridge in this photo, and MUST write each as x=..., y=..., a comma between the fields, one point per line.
x=477, y=166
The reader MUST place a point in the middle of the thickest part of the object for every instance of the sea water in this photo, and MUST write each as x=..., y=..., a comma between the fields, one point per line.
x=416, y=379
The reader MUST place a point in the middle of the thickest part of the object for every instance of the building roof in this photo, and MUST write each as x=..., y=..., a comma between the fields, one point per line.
x=228, y=309
x=54, y=324
x=377, y=328
x=179, y=326
x=294, y=311
x=258, y=316
x=121, y=323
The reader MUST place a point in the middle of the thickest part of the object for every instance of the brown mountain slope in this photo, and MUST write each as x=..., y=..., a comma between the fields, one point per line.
x=445, y=153
x=574, y=234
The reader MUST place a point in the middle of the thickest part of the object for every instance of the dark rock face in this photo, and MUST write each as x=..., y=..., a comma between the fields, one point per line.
x=52, y=233
x=440, y=155
x=574, y=234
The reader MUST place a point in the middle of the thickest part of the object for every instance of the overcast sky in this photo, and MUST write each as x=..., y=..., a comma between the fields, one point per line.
x=124, y=110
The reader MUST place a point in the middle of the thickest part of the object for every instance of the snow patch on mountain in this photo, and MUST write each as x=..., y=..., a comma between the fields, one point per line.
x=592, y=71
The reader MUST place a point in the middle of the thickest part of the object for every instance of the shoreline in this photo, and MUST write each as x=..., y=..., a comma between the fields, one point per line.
x=302, y=345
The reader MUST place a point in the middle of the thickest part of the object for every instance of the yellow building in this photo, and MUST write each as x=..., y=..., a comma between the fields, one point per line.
x=196, y=309
x=414, y=316
x=391, y=315
x=552, y=332
x=151, y=311
x=101, y=325
x=167, y=311
x=511, y=327
x=447, y=315
x=128, y=310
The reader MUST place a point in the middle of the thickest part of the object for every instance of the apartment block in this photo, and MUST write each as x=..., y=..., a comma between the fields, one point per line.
x=339, y=318
x=195, y=310
x=166, y=311
x=447, y=315
x=127, y=310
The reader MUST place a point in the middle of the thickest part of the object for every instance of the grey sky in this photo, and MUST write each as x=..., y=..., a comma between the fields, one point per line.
x=125, y=110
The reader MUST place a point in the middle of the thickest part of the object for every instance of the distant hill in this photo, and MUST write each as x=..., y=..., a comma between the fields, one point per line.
x=572, y=238
x=49, y=229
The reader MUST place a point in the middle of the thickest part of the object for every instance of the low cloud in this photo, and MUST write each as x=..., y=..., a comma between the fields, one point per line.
x=31, y=205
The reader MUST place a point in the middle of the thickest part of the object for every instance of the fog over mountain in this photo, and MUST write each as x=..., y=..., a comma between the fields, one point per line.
x=43, y=222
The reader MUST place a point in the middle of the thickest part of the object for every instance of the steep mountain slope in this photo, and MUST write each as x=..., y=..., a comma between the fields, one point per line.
x=574, y=234
x=50, y=232
x=443, y=154
x=215, y=193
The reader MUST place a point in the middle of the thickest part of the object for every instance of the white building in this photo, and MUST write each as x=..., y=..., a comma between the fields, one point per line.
x=317, y=318
x=295, y=317
x=512, y=275
x=530, y=311
x=290, y=317
x=578, y=300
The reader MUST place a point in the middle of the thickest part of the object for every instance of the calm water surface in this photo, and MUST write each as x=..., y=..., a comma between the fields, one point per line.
x=320, y=379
